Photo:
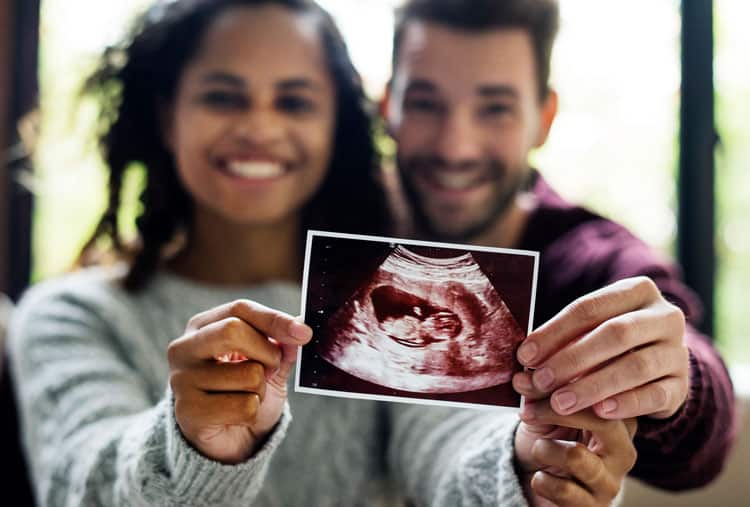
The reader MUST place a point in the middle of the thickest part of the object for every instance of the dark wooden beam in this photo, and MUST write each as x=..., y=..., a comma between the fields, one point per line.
x=19, y=38
x=698, y=138
x=19, y=42
x=6, y=50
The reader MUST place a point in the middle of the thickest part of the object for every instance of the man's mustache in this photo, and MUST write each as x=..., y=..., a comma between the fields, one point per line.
x=492, y=168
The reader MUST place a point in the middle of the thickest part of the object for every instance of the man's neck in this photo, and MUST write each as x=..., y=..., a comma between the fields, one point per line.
x=509, y=228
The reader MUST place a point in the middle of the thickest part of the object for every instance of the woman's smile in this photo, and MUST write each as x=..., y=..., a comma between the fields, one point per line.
x=254, y=171
x=253, y=119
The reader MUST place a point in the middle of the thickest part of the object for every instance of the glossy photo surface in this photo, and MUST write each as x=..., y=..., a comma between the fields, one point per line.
x=414, y=321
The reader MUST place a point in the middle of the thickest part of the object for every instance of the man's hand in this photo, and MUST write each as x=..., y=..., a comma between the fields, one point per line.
x=577, y=460
x=619, y=349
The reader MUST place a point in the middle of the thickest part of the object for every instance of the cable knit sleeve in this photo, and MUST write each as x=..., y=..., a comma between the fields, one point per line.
x=92, y=432
x=689, y=449
x=582, y=252
x=453, y=457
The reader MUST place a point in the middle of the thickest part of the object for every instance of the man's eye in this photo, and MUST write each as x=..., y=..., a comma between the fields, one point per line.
x=493, y=110
x=295, y=104
x=422, y=105
x=224, y=100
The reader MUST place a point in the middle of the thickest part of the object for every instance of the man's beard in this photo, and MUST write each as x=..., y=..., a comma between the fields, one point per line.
x=507, y=183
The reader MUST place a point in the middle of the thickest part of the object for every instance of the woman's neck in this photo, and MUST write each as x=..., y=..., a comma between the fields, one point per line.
x=239, y=254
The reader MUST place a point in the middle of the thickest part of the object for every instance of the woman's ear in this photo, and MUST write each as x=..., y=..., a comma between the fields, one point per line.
x=547, y=118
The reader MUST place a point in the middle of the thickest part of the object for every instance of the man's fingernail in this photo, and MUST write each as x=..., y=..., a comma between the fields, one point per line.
x=609, y=406
x=527, y=412
x=565, y=400
x=299, y=330
x=544, y=378
x=523, y=382
x=527, y=352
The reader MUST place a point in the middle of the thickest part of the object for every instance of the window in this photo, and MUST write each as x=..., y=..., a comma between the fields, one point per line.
x=614, y=144
x=70, y=182
x=732, y=81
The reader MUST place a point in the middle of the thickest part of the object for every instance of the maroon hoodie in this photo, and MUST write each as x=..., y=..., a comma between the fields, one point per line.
x=581, y=252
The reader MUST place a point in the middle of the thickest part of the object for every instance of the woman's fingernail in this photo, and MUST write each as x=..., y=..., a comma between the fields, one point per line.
x=609, y=406
x=299, y=330
x=565, y=400
x=544, y=378
x=527, y=352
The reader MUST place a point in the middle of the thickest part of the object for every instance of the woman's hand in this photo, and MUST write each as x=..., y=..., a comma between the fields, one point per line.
x=229, y=374
x=578, y=460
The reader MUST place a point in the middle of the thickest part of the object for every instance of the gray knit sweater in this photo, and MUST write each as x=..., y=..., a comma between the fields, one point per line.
x=92, y=380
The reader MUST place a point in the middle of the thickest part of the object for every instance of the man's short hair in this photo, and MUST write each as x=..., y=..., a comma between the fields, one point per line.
x=541, y=18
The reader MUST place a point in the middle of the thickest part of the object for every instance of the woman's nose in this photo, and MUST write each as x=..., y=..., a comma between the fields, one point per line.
x=259, y=126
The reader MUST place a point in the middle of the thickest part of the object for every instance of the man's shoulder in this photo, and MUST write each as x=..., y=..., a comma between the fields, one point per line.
x=582, y=251
x=556, y=221
x=574, y=238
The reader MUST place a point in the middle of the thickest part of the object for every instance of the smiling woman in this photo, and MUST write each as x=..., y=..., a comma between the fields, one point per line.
x=269, y=135
x=241, y=150
x=249, y=122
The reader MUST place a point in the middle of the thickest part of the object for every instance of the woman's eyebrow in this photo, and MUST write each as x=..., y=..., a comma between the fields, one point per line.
x=225, y=78
x=228, y=79
x=297, y=83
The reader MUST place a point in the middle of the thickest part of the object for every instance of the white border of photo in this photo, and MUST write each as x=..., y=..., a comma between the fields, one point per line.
x=311, y=234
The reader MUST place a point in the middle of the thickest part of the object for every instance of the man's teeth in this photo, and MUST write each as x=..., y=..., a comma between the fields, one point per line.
x=454, y=180
x=255, y=169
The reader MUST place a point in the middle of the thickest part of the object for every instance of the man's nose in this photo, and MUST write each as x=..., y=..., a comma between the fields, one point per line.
x=458, y=139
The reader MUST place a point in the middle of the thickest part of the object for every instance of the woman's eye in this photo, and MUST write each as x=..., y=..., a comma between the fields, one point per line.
x=224, y=100
x=295, y=104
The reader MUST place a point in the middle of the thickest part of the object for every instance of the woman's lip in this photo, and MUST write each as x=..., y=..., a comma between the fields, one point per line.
x=259, y=179
x=255, y=169
x=247, y=157
x=251, y=158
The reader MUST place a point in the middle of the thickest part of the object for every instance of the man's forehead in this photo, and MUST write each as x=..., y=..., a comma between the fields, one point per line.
x=435, y=52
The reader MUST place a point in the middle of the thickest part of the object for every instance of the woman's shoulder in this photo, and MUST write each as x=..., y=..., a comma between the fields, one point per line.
x=92, y=282
x=82, y=294
x=75, y=308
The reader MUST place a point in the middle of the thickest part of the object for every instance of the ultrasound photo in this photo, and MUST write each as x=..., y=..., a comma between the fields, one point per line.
x=413, y=321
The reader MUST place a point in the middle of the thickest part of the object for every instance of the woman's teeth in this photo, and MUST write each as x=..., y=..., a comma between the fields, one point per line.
x=256, y=170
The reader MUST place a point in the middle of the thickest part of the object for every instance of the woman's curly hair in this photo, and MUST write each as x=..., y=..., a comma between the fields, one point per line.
x=134, y=80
